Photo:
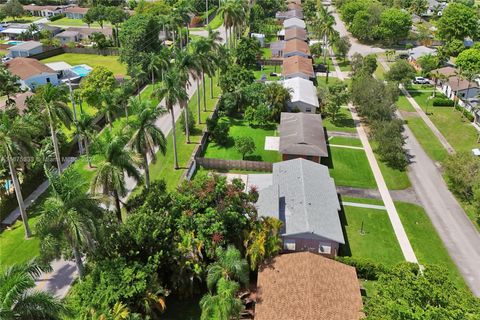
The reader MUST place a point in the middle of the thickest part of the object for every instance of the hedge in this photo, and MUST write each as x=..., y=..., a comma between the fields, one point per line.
x=442, y=102
x=57, y=17
x=366, y=269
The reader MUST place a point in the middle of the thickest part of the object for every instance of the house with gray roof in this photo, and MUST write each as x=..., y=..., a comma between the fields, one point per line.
x=302, y=195
x=25, y=49
x=302, y=136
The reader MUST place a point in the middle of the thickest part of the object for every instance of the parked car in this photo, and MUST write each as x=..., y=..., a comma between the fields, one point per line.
x=421, y=80
x=5, y=59
x=320, y=68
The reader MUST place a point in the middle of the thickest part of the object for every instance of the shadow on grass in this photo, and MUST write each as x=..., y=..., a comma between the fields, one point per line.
x=344, y=249
x=328, y=161
x=342, y=121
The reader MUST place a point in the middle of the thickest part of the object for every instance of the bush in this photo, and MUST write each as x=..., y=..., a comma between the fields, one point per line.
x=442, y=102
x=191, y=121
x=218, y=131
x=468, y=115
x=366, y=269
x=57, y=17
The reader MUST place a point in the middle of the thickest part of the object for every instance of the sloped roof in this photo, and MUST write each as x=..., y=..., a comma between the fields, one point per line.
x=302, y=90
x=296, y=45
x=25, y=68
x=297, y=64
x=67, y=34
x=293, y=22
x=303, y=196
x=421, y=51
x=76, y=9
x=302, y=134
x=459, y=84
x=293, y=13
x=296, y=33
x=20, y=101
x=446, y=71
x=307, y=286
x=293, y=6
x=25, y=46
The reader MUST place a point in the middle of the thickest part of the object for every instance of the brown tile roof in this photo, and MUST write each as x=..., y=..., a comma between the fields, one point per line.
x=294, y=6
x=76, y=10
x=295, y=33
x=20, y=101
x=299, y=2
x=459, y=84
x=446, y=71
x=297, y=64
x=89, y=31
x=25, y=68
x=296, y=45
x=307, y=286
x=31, y=7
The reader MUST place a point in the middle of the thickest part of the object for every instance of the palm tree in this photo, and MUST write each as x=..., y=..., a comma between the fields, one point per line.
x=10, y=85
x=201, y=49
x=138, y=75
x=147, y=135
x=15, y=141
x=215, y=47
x=234, y=15
x=20, y=300
x=224, y=305
x=173, y=91
x=153, y=65
x=111, y=102
x=54, y=100
x=109, y=177
x=86, y=132
x=229, y=266
x=68, y=217
x=263, y=241
x=277, y=97
x=323, y=26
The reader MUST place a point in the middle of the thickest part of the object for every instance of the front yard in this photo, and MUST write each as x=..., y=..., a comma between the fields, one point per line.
x=67, y=22
x=241, y=128
x=343, y=122
x=93, y=60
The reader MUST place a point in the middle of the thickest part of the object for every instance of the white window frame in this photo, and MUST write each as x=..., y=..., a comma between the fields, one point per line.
x=289, y=244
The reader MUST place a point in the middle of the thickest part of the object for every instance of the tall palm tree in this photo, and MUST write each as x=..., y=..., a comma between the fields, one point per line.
x=233, y=13
x=109, y=177
x=147, y=135
x=54, y=101
x=86, y=131
x=224, y=305
x=15, y=141
x=10, y=85
x=138, y=75
x=20, y=300
x=215, y=47
x=323, y=27
x=201, y=50
x=68, y=217
x=229, y=266
x=277, y=97
x=173, y=91
x=111, y=102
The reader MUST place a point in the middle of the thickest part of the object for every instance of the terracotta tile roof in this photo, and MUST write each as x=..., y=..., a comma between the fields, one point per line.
x=296, y=45
x=25, y=68
x=299, y=2
x=32, y=7
x=459, y=84
x=297, y=64
x=294, y=6
x=20, y=101
x=307, y=286
x=296, y=33
x=446, y=71
x=76, y=10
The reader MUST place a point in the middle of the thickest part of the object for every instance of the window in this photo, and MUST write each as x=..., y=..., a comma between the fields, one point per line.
x=289, y=244
x=324, y=248
x=308, y=110
x=48, y=80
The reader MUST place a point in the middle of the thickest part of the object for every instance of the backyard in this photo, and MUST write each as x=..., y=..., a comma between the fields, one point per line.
x=267, y=70
x=240, y=128
x=93, y=60
x=67, y=22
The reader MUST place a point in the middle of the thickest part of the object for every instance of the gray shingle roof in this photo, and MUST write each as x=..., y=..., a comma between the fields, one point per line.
x=303, y=196
x=302, y=134
x=26, y=46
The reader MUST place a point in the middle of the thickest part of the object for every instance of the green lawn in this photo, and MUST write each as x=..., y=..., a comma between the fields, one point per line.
x=3, y=53
x=394, y=178
x=344, y=64
x=349, y=167
x=23, y=19
x=344, y=122
x=379, y=72
x=240, y=128
x=93, y=60
x=427, y=139
x=377, y=242
x=266, y=70
x=67, y=22
x=354, y=142
x=216, y=22
x=266, y=53
x=425, y=241
x=403, y=104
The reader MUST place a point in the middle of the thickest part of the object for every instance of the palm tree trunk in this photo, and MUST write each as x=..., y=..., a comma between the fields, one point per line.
x=89, y=160
x=78, y=261
x=117, y=205
x=198, y=101
x=147, y=170
x=211, y=87
x=174, y=137
x=18, y=193
x=204, y=93
x=226, y=34
x=187, y=129
x=153, y=78
x=55, y=147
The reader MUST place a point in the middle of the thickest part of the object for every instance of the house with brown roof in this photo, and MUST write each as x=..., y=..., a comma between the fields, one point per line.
x=44, y=11
x=31, y=72
x=453, y=85
x=307, y=286
x=294, y=6
x=296, y=33
x=295, y=47
x=293, y=13
x=297, y=66
x=302, y=136
x=75, y=12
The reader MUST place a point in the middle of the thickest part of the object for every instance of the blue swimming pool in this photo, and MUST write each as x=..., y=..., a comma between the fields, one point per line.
x=81, y=70
x=14, y=42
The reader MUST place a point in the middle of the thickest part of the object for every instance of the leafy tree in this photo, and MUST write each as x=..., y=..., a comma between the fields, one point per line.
x=20, y=300
x=401, y=72
x=229, y=266
x=116, y=16
x=15, y=141
x=249, y=115
x=247, y=52
x=428, y=63
x=276, y=98
x=13, y=8
x=100, y=40
x=463, y=175
x=362, y=26
x=68, y=218
x=363, y=65
x=418, y=7
x=451, y=48
x=405, y=292
x=457, y=22
x=218, y=131
x=263, y=241
x=343, y=45
x=334, y=98
x=98, y=14
x=147, y=136
x=394, y=25
x=235, y=77
x=350, y=9
x=85, y=128
x=390, y=139
x=100, y=81
x=224, y=305
x=244, y=145
x=469, y=60
x=109, y=178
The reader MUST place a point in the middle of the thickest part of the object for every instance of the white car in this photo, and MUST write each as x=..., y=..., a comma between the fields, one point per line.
x=421, y=80
x=5, y=59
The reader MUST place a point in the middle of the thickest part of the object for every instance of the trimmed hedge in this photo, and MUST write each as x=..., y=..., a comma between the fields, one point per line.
x=366, y=269
x=442, y=102
x=57, y=17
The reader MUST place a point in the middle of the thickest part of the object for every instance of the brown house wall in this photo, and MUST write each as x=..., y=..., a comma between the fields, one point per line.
x=286, y=157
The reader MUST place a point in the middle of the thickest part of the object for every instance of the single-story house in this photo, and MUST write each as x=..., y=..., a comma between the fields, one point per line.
x=31, y=72
x=75, y=12
x=296, y=33
x=74, y=34
x=307, y=286
x=294, y=13
x=25, y=49
x=293, y=22
x=20, y=101
x=461, y=88
x=277, y=48
x=14, y=30
x=298, y=66
x=68, y=36
x=295, y=47
x=416, y=53
x=434, y=7
x=52, y=29
x=44, y=11
x=302, y=195
x=302, y=136
x=303, y=95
